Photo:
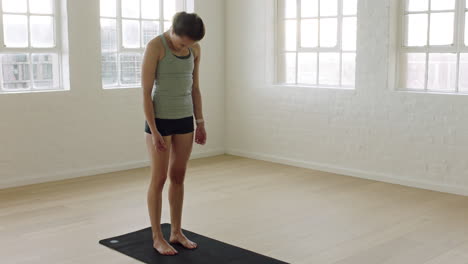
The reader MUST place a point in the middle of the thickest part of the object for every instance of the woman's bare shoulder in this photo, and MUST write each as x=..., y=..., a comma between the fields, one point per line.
x=196, y=49
x=156, y=47
x=196, y=46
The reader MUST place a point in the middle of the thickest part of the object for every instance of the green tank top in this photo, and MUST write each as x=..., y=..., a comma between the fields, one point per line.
x=172, y=94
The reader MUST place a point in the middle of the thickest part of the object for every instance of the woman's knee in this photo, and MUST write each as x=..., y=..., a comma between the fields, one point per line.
x=157, y=186
x=177, y=175
x=178, y=169
x=158, y=179
x=178, y=179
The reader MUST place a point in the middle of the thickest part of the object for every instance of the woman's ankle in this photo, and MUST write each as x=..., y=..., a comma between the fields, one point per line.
x=176, y=231
x=158, y=235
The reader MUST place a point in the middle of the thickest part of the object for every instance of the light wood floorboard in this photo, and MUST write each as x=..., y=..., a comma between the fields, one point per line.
x=294, y=214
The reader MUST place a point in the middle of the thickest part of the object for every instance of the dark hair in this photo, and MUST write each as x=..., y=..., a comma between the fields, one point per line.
x=188, y=24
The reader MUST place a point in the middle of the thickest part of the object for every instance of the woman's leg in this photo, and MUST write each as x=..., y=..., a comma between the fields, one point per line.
x=159, y=167
x=180, y=154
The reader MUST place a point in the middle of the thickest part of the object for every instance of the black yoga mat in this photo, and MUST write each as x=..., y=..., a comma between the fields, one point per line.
x=139, y=245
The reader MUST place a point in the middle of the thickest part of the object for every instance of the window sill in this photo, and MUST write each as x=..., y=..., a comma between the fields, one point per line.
x=432, y=92
x=33, y=91
x=119, y=87
x=322, y=87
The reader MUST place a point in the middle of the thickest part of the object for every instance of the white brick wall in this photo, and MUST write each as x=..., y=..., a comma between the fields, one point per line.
x=373, y=132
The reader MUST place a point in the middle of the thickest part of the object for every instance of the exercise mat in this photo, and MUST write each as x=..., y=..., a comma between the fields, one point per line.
x=139, y=245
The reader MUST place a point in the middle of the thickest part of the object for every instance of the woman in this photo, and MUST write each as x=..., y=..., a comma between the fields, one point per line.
x=171, y=61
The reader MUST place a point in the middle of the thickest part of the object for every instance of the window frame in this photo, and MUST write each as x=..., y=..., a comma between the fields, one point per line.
x=29, y=51
x=180, y=5
x=456, y=48
x=279, y=36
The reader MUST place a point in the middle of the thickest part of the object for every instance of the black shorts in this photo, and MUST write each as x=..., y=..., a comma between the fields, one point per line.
x=168, y=127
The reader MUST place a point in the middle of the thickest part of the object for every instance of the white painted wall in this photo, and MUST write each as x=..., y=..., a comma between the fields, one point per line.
x=88, y=130
x=373, y=132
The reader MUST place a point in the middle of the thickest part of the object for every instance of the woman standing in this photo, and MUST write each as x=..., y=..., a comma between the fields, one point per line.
x=171, y=62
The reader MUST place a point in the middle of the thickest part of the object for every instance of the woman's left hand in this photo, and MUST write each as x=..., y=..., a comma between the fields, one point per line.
x=200, y=134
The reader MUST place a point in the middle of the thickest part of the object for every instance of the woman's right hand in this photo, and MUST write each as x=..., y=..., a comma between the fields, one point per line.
x=158, y=142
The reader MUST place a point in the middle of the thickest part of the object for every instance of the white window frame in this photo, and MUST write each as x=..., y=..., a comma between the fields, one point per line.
x=400, y=49
x=57, y=49
x=180, y=5
x=280, y=49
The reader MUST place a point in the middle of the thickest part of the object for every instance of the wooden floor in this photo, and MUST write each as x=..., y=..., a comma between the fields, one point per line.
x=293, y=214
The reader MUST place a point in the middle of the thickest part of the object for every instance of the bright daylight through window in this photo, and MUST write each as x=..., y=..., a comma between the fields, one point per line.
x=317, y=42
x=29, y=50
x=433, y=54
x=126, y=27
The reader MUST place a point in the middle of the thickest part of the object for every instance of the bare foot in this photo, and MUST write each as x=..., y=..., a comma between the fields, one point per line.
x=163, y=247
x=182, y=239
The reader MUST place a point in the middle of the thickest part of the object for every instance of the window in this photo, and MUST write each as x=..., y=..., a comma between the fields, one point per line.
x=433, y=54
x=126, y=27
x=317, y=42
x=29, y=50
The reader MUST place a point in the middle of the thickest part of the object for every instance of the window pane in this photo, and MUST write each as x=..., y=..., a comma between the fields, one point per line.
x=463, y=85
x=290, y=67
x=190, y=6
x=328, y=32
x=442, y=4
x=441, y=28
x=329, y=68
x=466, y=28
x=413, y=71
x=108, y=8
x=416, y=30
x=150, y=30
x=131, y=8
x=349, y=7
x=309, y=8
x=290, y=35
x=15, y=71
x=442, y=71
x=150, y=9
x=348, y=71
x=328, y=8
x=417, y=5
x=130, y=64
x=15, y=30
x=108, y=34
x=307, y=65
x=45, y=71
x=15, y=6
x=41, y=6
x=109, y=69
x=290, y=8
x=42, y=31
x=169, y=9
x=349, y=33
x=167, y=25
x=131, y=33
x=309, y=33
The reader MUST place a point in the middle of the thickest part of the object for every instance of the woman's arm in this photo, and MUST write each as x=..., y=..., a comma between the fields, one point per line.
x=148, y=72
x=196, y=94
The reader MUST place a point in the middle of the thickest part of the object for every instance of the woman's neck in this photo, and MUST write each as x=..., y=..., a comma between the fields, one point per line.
x=171, y=44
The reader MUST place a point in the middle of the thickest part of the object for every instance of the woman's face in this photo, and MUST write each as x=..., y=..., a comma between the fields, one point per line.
x=181, y=42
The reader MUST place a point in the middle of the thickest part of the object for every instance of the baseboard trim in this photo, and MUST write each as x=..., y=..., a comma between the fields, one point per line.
x=377, y=176
x=70, y=174
x=433, y=186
